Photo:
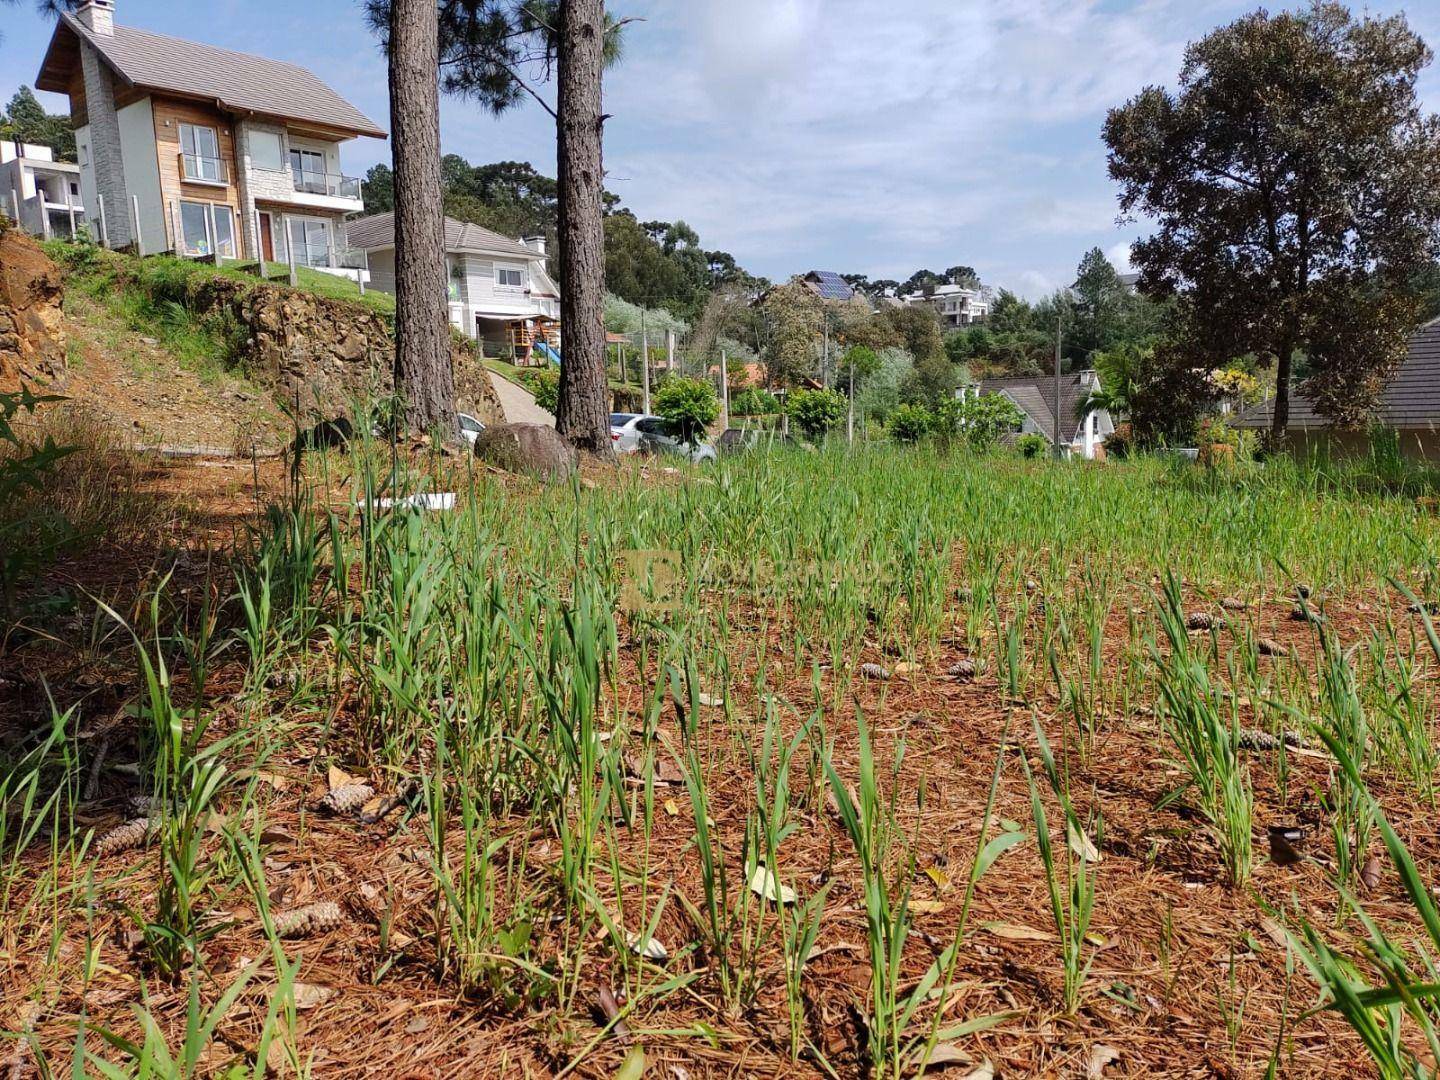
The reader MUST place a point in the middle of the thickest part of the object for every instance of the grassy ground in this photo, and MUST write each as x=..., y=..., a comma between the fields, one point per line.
x=696, y=771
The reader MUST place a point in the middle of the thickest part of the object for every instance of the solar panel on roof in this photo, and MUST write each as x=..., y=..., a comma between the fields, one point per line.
x=832, y=286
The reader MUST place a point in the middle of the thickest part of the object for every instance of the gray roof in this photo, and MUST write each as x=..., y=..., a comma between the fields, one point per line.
x=1410, y=402
x=1036, y=395
x=238, y=82
x=378, y=231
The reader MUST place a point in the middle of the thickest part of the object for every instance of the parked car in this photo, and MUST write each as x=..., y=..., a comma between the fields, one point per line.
x=638, y=433
x=625, y=430
x=470, y=428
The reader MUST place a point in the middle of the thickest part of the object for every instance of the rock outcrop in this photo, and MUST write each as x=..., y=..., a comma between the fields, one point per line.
x=32, y=325
x=317, y=355
x=321, y=354
x=536, y=449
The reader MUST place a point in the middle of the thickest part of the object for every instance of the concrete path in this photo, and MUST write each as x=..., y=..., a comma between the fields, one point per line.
x=518, y=403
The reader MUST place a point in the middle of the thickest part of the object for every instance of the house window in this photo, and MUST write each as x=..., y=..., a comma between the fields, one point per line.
x=308, y=166
x=194, y=228
x=200, y=154
x=310, y=241
x=510, y=279
x=266, y=151
x=207, y=229
x=222, y=228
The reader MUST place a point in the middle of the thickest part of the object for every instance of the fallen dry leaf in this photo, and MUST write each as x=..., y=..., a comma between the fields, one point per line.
x=308, y=995
x=1081, y=844
x=338, y=778
x=764, y=883
x=1100, y=1056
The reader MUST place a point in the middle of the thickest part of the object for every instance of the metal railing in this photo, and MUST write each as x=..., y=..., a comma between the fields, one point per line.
x=320, y=256
x=201, y=169
x=322, y=183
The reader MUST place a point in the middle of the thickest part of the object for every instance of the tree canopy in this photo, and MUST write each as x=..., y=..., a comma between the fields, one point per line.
x=1295, y=181
x=26, y=120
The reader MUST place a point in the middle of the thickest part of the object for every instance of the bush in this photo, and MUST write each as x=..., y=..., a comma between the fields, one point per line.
x=690, y=405
x=816, y=411
x=979, y=419
x=1120, y=443
x=544, y=383
x=1032, y=445
x=754, y=402
x=911, y=423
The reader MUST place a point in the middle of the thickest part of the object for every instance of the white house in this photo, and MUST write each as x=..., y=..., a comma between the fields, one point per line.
x=40, y=194
x=1035, y=397
x=202, y=151
x=501, y=292
x=956, y=305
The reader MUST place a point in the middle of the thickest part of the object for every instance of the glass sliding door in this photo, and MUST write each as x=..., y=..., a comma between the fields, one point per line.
x=308, y=168
x=310, y=241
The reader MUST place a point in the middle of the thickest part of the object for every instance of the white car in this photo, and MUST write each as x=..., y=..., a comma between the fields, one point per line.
x=636, y=433
x=625, y=430
x=470, y=428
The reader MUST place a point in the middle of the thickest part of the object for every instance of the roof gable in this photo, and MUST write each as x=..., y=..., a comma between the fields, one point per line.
x=1036, y=397
x=377, y=232
x=238, y=82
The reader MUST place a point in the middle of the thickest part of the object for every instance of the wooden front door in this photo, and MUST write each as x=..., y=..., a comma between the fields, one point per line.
x=267, y=238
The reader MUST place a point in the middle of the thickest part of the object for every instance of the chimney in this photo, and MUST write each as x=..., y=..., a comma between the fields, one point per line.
x=98, y=15
x=534, y=243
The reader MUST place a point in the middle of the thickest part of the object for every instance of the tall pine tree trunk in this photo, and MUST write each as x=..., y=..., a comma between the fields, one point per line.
x=424, y=378
x=582, y=414
x=1280, y=421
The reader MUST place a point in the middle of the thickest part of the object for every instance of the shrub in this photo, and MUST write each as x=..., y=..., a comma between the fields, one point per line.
x=544, y=383
x=1120, y=443
x=1032, y=445
x=911, y=423
x=690, y=405
x=979, y=419
x=816, y=411
x=754, y=402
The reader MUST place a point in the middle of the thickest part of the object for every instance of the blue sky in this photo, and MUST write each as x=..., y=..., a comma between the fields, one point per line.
x=867, y=136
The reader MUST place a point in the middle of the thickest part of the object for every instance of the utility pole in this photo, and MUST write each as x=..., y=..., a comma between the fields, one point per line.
x=644, y=363
x=850, y=417
x=1059, y=330
x=724, y=394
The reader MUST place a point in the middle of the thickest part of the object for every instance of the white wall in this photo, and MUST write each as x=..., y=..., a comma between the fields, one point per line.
x=142, y=175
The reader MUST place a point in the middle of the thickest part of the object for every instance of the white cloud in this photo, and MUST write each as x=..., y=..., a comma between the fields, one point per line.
x=1119, y=257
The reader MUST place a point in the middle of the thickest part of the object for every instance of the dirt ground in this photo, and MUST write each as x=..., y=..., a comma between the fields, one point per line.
x=1189, y=976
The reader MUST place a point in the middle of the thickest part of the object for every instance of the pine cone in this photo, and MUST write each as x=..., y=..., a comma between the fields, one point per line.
x=125, y=837
x=1270, y=647
x=1231, y=603
x=311, y=919
x=138, y=806
x=875, y=671
x=347, y=799
x=964, y=669
x=1199, y=620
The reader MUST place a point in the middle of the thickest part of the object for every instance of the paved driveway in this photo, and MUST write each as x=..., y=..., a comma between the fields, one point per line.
x=518, y=403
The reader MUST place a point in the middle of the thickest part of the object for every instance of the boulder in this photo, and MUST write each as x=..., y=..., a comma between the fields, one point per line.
x=536, y=449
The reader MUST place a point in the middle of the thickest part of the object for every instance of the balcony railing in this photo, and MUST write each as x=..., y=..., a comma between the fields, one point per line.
x=203, y=170
x=321, y=183
x=321, y=256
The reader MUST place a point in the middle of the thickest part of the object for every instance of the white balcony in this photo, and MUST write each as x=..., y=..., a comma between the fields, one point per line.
x=311, y=190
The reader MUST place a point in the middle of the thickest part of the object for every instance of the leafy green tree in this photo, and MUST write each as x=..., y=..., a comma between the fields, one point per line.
x=816, y=412
x=979, y=419
x=690, y=406
x=1292, y=177
x=754, y=401
x=544, y=383
x=378, y=189
x=910, y=423
x=791, y=317
x=26, y=120
x=1098, y=310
